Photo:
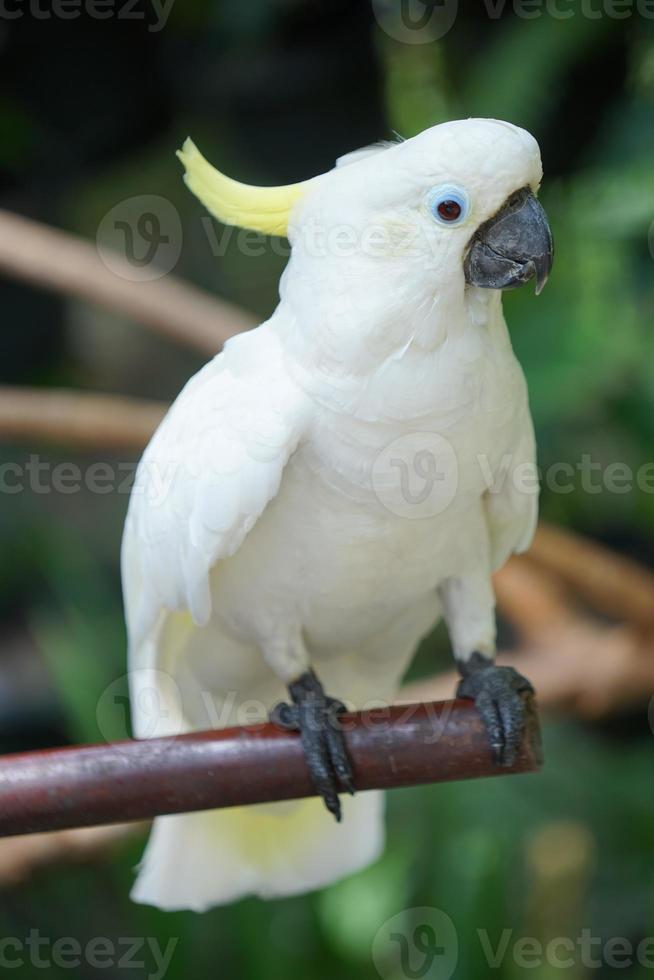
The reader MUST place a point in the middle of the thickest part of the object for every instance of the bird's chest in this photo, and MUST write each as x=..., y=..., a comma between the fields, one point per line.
x=388, y=509
x=432, y=462
x=372, y=515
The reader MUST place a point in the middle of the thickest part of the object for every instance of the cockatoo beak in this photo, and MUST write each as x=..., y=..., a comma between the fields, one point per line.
x=512, y=247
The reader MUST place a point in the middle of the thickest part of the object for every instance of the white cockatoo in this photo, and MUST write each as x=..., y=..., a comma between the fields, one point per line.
x=332, y=483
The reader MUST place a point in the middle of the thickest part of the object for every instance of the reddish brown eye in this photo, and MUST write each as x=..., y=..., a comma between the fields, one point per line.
x=449, y=204
x=449, y=210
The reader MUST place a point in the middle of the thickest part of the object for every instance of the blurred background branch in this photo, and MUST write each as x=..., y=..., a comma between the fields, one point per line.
x=57, y=260
x=77, y=419
x=578, y=663
x=21, y=857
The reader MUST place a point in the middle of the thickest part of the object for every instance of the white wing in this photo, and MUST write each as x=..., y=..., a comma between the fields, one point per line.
x=511, y=505
x=207, y=475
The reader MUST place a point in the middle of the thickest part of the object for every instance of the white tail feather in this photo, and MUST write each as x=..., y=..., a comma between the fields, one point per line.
x=197, y=860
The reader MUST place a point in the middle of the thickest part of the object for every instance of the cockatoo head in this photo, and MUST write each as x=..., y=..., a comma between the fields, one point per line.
x=397, y=236
x=458, y=201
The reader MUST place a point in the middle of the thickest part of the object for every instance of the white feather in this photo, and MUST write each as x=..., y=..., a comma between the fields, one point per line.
x=215, y=462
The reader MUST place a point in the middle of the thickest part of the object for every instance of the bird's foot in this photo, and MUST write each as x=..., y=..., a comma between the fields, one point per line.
x=315, y=715
x=501, y=696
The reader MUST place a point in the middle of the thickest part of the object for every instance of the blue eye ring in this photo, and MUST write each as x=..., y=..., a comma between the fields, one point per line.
x=448, y=204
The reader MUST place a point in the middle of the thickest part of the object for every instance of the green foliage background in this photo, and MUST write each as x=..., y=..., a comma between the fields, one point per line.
x=541, y=855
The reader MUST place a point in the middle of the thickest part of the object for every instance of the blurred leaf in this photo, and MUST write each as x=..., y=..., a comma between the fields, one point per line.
x=83, y=642
x=515, y=77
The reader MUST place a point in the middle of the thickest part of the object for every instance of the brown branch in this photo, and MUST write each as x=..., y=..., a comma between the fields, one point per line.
x=135, y=780
x=78, y=419
x=62, y=262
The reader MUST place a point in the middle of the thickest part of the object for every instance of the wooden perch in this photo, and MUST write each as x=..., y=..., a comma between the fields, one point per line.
x=135, y=780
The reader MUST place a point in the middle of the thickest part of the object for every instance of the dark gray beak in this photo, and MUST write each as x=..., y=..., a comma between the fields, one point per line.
x=514, y=246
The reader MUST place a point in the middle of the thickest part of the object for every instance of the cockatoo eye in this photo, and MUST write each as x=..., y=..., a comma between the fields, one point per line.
x=449, y=204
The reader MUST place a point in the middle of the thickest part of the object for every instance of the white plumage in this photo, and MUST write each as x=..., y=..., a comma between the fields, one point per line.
x=263, y=537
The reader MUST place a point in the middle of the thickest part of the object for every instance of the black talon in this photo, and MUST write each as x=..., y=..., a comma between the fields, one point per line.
x=339, y=758
x=316, y=717
x=499, y=695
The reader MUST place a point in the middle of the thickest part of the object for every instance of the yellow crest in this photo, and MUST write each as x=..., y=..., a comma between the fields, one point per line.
x=264, y=209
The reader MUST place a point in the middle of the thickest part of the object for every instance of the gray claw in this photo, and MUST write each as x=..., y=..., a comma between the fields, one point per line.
x=499, y=696
x=316, y=717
